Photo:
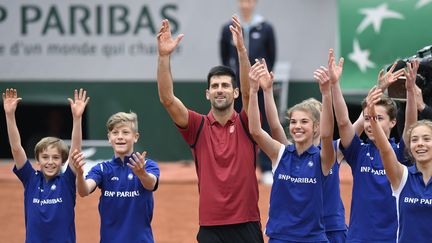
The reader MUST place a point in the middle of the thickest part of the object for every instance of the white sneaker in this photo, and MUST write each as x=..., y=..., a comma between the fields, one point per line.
x=267, y=178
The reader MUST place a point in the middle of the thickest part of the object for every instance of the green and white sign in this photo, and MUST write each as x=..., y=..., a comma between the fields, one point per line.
x=113, y=40
x=374, y=33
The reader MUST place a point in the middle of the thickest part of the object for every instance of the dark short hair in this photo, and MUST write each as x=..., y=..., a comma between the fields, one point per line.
x=387, y=103
x=222, y=71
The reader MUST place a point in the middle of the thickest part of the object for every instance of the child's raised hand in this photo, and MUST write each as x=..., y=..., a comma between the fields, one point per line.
x=77, y=161
x=372, y=99
x=386, y=79
x=335, y=71
x=266, y=78
x=255, y=73
x=10, y=101
x=411, y=74
x=137, y=163
x=79, y=103
x=419, y=99
x=166, y=44
x=322, y=76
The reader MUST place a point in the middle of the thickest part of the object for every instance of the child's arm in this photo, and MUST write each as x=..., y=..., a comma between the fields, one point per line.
x=359, y=128
x=78, y=105
x=244, y=64
x=270, y=146
x=138, y=166
x=84, y=187
x=326, y=121
x=10, y=103
x=394, y=169
x=359, y=124
x=385, y=79
x=277, y=131
x=423, y=109
x=411, y=106
x=166, y=45
x=346, y=129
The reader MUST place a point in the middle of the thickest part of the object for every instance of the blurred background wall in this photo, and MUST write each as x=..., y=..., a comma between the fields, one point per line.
x=49, y=48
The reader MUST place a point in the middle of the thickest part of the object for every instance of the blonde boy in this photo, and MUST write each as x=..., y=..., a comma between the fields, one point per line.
x=127, y=183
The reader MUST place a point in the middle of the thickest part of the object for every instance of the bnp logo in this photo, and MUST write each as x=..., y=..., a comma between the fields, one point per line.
x=90, y=19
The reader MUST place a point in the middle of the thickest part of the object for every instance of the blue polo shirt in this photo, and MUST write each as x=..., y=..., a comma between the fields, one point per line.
x=414, y=204
x=125, y=206
x=334, y=211
x=49, y=205
x=296, y=199
x=373, y=209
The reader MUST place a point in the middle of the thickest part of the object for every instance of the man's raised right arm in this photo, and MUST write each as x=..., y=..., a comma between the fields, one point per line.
x=166, y=45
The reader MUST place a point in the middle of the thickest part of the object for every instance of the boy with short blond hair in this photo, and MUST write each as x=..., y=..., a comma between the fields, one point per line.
x=126, y=201
x=49, y=194
x=121, y=118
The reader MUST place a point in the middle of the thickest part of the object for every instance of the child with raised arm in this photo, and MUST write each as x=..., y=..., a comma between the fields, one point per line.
x=410, y=185
x=49, y=194
x=127, y=183
x=373, y=211
x=296, y=201
x=334, y=211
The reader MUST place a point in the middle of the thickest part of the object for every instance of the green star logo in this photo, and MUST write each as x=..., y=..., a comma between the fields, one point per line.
x=374, y=33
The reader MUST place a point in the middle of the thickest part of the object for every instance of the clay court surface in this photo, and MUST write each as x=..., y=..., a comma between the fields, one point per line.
x=175, y=218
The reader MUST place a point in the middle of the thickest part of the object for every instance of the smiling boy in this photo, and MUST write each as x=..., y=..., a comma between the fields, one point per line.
x=127, y=183
x=49, y=194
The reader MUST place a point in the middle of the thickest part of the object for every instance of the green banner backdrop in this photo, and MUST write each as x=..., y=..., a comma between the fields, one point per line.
x=374, y=33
